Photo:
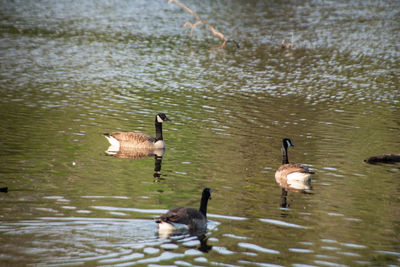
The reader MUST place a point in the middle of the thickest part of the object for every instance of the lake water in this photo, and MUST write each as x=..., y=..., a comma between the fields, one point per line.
x=71, y=70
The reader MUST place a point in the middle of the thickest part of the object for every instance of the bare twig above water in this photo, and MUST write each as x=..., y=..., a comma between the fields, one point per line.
x=192, y=25
x=201, y=21
x=288, y=45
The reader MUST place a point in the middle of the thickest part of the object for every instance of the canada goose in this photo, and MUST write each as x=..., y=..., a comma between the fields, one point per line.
x=192, y=219
x=294, y=177
x=385, y=158
x=138, y=140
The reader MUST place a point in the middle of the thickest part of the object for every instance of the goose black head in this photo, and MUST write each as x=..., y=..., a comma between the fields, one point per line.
x=161, y=117
x=207, y=193
x=287, y=142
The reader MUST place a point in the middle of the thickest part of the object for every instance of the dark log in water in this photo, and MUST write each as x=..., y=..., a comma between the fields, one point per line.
x=4, y=189
x=385, y=158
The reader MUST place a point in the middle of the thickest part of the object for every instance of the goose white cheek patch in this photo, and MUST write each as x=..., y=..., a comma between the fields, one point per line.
x=159, y=119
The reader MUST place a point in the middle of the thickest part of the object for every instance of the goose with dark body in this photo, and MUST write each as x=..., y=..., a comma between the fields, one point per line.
x=192, y=219
x=295, y=177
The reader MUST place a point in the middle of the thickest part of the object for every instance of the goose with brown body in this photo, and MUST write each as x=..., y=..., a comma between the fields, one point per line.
x=192, y=219
x=296, y=177
x=138, y=140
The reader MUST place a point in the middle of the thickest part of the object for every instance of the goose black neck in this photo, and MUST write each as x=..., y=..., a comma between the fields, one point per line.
x=203, y=205
x=158, y=130
x=285, y=159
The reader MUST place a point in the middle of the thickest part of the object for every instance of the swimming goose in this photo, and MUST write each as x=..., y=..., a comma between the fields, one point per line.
x=138, y=140
x=189, y=218
x=292, y=176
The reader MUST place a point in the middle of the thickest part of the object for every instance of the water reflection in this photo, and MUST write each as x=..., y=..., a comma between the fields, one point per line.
x=157, y=168
x=198, y=240
x=299, y=187
x=204, y=247
x=128, y=152
x=284, y=203
x=284, y=196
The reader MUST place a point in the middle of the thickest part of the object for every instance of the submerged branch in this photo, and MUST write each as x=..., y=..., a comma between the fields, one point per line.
x=201, y=21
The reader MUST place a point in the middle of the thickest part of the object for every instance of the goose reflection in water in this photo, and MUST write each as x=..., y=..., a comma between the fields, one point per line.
x=130, y=152
x=198, y=240
x=303, y=187
x=284, y=194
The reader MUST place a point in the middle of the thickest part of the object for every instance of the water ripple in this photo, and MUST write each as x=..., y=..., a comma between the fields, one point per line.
x=282, y=223
x=257, y=248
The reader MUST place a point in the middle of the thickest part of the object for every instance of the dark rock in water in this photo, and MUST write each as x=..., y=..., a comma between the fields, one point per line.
x=385, y=158
x=4, y=189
